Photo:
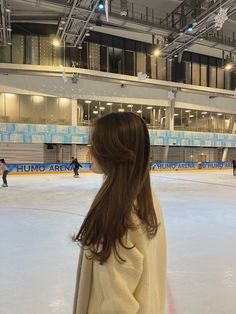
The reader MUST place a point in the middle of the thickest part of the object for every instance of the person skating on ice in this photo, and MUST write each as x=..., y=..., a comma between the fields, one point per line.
x=122, y=265
x=76, y=165
x=4, y=169
x=234, y=166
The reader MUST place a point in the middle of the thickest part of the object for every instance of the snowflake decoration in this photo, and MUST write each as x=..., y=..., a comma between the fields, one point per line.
x=171, y=95
x=220, y=18
x=64, y=77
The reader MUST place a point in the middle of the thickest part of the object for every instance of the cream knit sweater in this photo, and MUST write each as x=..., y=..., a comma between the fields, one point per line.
x=137, y=286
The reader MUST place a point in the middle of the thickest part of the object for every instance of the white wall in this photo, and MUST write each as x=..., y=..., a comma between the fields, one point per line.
x=22, y=153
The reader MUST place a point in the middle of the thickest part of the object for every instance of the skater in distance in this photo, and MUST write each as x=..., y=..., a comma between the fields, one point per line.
x=76, y=165
x=122, y=265
x=4, y=169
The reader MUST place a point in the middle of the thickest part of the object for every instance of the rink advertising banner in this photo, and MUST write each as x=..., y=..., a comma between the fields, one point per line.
x=217, y=165
x=45, y=168
x=189, y=165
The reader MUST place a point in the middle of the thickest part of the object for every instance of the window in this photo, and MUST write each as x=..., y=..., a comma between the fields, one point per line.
x=129, y=63
x=103, y=59
x=188, y=69
x=203, y=75
x=212, y=76
x=195, y=74
x=220, y=78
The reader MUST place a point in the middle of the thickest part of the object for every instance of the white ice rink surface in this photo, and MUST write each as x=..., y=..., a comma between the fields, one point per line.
x=38, y=261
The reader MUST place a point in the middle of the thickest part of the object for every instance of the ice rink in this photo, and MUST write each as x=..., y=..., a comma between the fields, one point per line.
x=39, y=213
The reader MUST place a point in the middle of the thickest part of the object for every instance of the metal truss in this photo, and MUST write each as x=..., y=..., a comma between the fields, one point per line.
x=5, y=24
x=202, y=21
x=75, y=26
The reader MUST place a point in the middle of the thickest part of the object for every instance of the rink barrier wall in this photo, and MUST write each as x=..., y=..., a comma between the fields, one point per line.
x=174, y=166
x=46, y=168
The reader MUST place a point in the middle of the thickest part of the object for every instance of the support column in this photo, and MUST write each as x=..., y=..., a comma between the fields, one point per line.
x=165, y=155
x=170, y=111
x=225, y=154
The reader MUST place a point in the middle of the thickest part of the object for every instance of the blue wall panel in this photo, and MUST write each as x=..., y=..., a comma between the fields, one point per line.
x=32, y=133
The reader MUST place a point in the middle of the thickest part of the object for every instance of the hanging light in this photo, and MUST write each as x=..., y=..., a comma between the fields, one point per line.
x=228, y=67
x=101, y=5
x=157, y=52
x=190, y=28
x=56, y=42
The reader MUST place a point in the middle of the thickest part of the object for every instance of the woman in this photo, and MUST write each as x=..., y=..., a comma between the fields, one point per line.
x=4, y=170
x=122, y=267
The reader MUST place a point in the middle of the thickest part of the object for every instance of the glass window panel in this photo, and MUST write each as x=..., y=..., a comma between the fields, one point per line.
x=103, y=59
x=2, y=108
x=153, y=67
x=18, y=49
x=212, y=76
x=203, y=75
x=111, y=57
x=52, y=110
x=39, y=109
x=12, y=108
x=26, y=109
x=5, y=54
x=94, y=56
x=195, y=74
x=64, y=111
x=161, y=69
x=141, y=62
x=220, y=78
x=118, y=61
x=46, y=52
x=129, y=63
x=83, y=56
x=188, y=68
x=34, y=49
x=148, y=65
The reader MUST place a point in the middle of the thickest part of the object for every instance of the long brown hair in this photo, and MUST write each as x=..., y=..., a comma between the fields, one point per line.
x=120, y=145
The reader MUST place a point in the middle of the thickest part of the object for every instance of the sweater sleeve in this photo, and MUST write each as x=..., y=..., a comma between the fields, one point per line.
x=119, y=281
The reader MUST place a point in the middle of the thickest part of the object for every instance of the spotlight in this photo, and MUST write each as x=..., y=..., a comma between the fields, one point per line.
x=87, y=34
x=101, y=5
x=56, y=42
x=190, y=28
x=228, y=67
x=80, y=47
x=157, y=52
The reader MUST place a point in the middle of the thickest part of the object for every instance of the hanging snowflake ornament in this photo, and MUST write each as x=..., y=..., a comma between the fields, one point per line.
x=220, y=18
x=171, y=95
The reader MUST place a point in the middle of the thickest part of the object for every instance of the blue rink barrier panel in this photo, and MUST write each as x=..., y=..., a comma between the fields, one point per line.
x=66, y=167
x=45, y=168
